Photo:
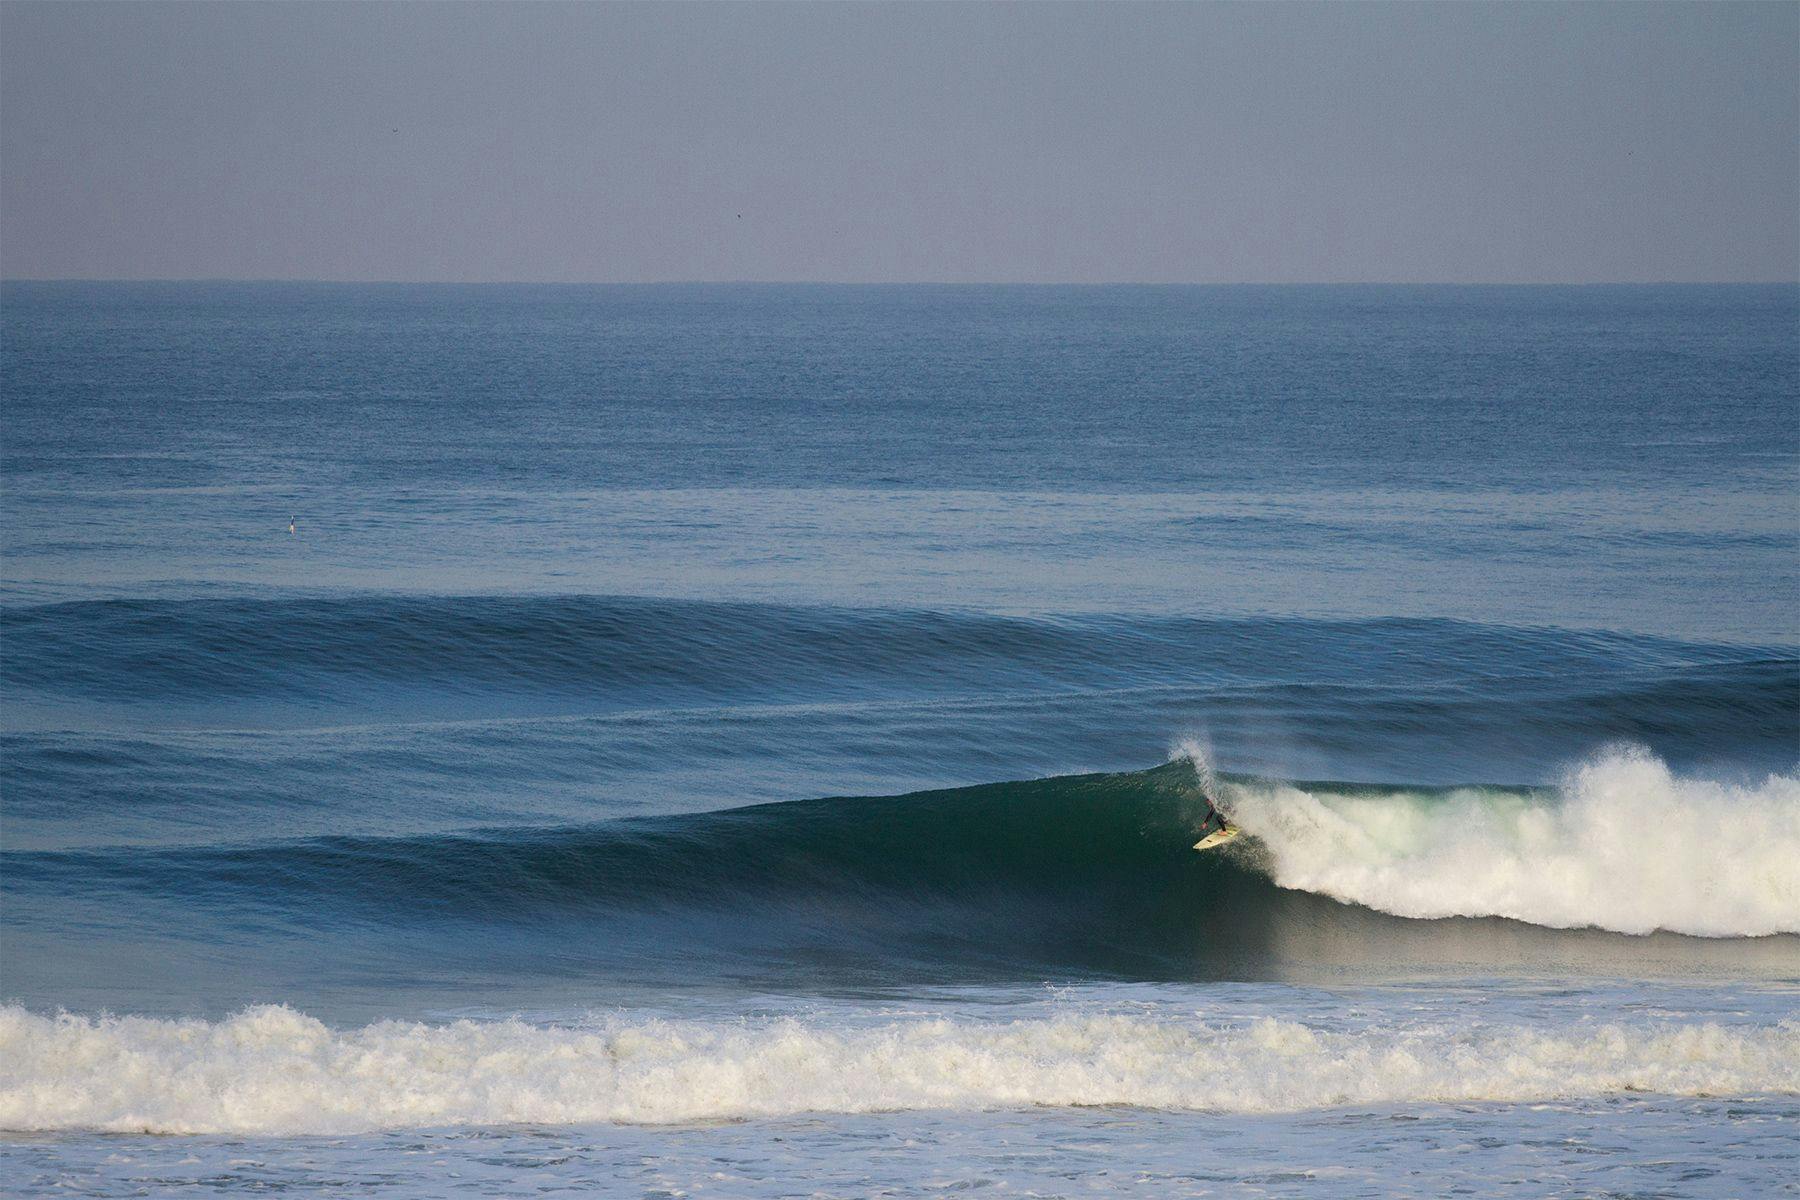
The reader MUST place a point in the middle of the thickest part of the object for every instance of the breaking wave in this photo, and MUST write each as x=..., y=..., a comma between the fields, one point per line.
x=1623, y=844
x=1064, y=878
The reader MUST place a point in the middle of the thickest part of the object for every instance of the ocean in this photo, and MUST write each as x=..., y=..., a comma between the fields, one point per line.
x=748, y=740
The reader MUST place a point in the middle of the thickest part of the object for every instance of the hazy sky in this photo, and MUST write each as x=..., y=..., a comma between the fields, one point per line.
x=1540, y=142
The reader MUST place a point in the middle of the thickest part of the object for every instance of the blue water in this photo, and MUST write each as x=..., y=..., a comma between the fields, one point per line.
x=748, y=739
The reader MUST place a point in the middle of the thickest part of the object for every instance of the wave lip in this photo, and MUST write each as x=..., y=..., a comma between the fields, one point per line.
x=272, y=1070
x=1623, y=845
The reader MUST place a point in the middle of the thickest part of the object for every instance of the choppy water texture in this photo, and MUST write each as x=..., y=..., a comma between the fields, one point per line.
x=748, y=740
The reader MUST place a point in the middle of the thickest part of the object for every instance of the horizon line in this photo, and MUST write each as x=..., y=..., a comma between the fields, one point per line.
x=1043, y=283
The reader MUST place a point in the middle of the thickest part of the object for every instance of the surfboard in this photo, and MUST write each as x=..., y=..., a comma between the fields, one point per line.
x=1217, y=837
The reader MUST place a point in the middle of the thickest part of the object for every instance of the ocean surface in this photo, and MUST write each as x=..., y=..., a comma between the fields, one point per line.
x=747, y=741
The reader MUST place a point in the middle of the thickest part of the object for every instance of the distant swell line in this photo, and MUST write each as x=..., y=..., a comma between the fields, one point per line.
x=148, y=649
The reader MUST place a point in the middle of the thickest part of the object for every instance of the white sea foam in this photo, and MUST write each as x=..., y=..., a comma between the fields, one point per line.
x=1623, y=844
x=273, y=1070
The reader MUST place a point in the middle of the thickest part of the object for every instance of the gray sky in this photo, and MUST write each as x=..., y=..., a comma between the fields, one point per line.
x=1543, y=142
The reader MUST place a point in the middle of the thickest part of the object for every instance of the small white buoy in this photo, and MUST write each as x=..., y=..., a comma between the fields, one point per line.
x=290, y=524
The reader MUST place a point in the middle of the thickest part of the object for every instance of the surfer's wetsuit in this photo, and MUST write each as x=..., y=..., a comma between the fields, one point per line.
x=1215, y=820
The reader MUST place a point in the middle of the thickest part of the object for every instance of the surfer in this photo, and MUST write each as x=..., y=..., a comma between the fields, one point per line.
x=1215, y=830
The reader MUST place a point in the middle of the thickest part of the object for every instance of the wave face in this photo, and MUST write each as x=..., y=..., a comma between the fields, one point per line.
x=1623, y=845
x=1086, y=874
x=271, y=1070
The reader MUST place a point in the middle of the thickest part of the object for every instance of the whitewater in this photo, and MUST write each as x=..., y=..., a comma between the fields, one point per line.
x=271, y=1070
x=1623, y=844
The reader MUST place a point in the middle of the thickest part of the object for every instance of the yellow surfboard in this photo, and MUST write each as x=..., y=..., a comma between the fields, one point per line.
x=1217, y=837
